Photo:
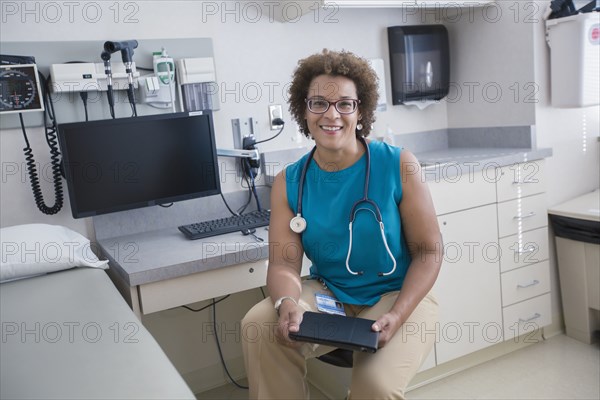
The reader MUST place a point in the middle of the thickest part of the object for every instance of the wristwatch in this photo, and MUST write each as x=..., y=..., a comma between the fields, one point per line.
x=280, y=301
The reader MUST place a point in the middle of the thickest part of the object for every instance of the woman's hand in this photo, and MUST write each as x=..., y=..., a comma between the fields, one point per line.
x=387, y=325
x=290, y=317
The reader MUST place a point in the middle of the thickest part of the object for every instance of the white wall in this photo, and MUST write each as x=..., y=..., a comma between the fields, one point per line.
x=491, y=67
x=254, y=59
x=262, y=53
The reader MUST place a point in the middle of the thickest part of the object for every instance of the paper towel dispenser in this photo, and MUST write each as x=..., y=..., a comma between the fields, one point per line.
x=419, y=62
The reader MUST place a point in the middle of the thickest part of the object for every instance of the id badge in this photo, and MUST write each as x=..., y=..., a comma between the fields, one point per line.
x=329, y=304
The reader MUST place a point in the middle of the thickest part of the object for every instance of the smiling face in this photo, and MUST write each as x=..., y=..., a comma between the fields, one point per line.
x=332, y=130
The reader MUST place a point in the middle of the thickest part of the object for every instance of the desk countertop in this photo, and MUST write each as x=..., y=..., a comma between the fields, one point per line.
x=448, y=161
x=165, y=254
x=454, y=161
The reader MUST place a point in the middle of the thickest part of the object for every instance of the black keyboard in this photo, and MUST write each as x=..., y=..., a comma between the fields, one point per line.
x=254, y=219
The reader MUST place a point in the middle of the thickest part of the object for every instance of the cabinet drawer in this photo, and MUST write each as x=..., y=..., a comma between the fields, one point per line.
x=522, y=214
x=519, y=250
x=518, y=180
x=527, y=316
x=525, y=283
x=455, y=193
x=158, y=296
x=162, y=295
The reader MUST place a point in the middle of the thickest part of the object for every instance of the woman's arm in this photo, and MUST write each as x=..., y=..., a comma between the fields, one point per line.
x=422, y=233
x=285, y=262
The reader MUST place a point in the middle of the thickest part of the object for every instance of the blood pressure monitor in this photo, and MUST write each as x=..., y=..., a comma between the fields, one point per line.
x=20, y=89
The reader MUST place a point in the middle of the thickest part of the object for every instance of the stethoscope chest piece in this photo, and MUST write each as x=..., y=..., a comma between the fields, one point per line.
x=298, y=224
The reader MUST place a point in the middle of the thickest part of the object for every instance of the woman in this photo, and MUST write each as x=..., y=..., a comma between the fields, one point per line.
x=383, y=277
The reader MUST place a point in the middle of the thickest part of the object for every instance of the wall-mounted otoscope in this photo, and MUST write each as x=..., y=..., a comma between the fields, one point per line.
x=105, y=56
x=126, y=48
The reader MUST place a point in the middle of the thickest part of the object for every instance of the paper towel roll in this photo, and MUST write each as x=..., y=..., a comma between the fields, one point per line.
x=421, y=105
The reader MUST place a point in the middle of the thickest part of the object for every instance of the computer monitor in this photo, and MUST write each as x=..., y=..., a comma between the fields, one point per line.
x=122, y=164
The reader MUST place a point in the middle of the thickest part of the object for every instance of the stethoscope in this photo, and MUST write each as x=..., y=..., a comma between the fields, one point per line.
x=298, y=223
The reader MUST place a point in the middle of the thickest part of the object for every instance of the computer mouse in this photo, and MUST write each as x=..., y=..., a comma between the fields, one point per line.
x=246, y=232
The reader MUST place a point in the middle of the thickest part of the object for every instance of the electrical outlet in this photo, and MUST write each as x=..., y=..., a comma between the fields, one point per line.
x=242, y=127
x=275, y=111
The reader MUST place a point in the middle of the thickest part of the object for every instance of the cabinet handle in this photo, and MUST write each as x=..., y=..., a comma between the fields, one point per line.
x=525, y=251
x=535, y=282
x=535, y=316
x=531, y=214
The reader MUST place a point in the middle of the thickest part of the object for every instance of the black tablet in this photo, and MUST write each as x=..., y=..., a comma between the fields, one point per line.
x=338, y=331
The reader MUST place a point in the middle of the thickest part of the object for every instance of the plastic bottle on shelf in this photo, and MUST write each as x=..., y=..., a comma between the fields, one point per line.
x=164, y=68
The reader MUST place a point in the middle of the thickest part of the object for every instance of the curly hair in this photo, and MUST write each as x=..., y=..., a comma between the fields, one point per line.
x=335, y=63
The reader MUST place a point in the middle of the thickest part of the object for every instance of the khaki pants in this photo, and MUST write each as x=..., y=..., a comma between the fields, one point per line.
x=278, y=372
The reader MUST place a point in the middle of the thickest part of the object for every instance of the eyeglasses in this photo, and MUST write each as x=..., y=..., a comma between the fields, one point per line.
x=344, y=106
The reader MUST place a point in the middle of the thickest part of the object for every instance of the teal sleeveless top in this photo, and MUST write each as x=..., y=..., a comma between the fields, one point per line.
x=327, y=201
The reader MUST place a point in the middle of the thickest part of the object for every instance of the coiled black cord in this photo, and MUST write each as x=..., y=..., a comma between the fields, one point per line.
x=55, y=158
x=33, y=173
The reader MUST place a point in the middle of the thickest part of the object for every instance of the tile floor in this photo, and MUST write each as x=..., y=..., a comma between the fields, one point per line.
x=230, y=392
x=558, y=368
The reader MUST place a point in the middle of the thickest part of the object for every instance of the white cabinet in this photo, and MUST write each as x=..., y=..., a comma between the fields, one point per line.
x=404, y=3
x=527, y=248
x=522, y=214
x=527, y=317
x=460, y=192
x=368, y=3
x=525, y=283
x=293, y=10
x=468, y=287
x=162, y=295
x=520, y=180
x=452, y=4
x=523, y=232
x=494, y=283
